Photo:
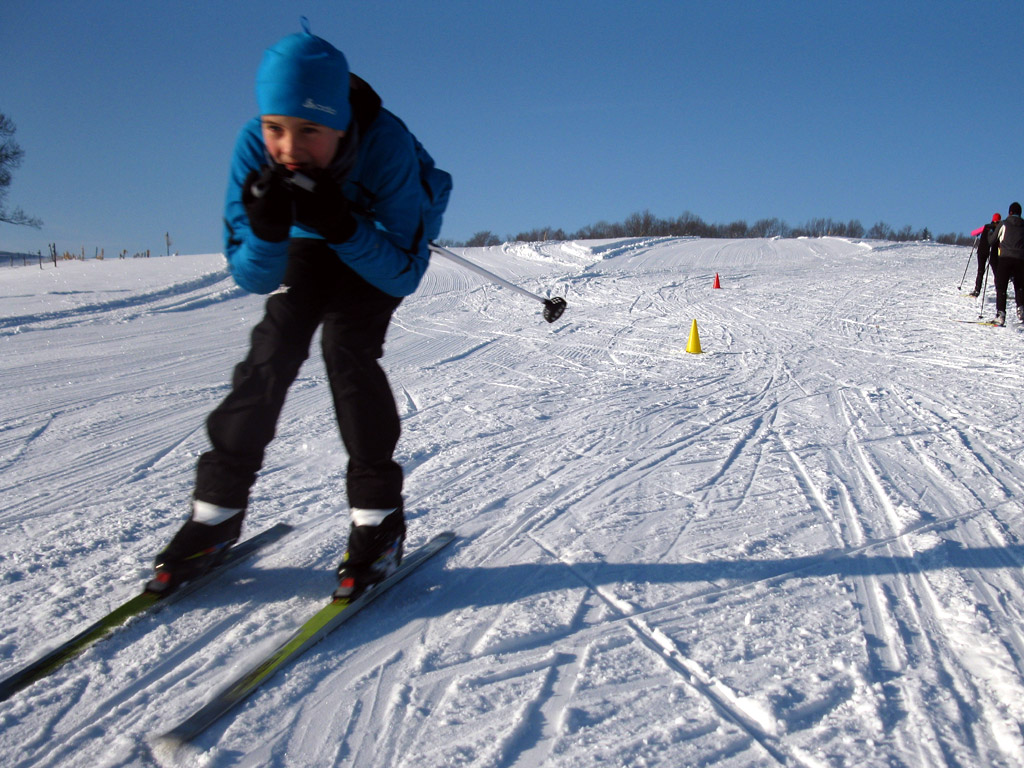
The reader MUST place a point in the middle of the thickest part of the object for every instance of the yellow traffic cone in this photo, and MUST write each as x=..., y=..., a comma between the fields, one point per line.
x=693, y=345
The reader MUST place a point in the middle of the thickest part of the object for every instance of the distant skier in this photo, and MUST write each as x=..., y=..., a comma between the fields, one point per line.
x=329, y=209
x=1008, y=238
x=986, y=253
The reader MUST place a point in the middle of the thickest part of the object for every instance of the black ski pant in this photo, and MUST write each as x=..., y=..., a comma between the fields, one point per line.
x=1009, y=268
x=318, y=290
x=983, y=260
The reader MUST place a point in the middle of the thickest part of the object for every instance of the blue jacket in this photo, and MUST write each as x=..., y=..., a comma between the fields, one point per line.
x=385, y=191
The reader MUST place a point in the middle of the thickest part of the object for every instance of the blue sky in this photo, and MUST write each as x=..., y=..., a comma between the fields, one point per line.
x=546, y=113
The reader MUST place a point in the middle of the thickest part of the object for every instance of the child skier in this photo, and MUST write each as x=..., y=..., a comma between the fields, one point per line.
x=329, y=211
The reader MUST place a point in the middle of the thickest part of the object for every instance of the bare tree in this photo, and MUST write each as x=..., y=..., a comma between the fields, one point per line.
x=10, y=158
x=485, y=237
x=768, y=228
x=880, y=231
x=640, y=224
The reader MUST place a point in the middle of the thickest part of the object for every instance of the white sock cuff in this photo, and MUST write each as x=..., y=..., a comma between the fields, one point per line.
x=362, y=516
x=210, y=514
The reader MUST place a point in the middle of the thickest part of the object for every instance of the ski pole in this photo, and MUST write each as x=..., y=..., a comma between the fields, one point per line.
x=553, y=308
x=968, y=263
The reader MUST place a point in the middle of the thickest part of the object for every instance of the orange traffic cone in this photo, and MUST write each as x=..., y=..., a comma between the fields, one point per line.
x=693, y=345
x=717, y=284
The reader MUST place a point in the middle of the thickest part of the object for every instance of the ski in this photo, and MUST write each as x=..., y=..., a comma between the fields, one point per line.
x=318, y=626
x=143, y=602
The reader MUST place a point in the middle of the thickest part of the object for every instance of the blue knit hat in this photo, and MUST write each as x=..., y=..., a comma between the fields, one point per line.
x=303, y=75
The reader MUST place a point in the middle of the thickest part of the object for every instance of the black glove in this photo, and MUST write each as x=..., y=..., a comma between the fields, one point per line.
x=267, y=198
x=324, y=209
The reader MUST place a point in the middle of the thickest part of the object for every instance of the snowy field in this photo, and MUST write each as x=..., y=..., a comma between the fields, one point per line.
x=802, y=547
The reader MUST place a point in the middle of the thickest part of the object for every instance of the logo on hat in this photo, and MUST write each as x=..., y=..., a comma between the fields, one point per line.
x=310, y=104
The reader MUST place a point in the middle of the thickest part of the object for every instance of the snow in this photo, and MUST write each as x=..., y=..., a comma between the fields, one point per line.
x=801, y=547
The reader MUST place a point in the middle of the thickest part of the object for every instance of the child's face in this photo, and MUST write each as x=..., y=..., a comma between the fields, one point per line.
x=299, y=145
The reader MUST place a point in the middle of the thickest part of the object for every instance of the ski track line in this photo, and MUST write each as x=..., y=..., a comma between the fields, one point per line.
x=628, y=475
x=66, y=696
x=760, y=408
x=371, y=731
x=991, y=648
x=142, y=470
x=947, y=673
x=479, y=662
x=885, y=655
x=417, y=698
x=777, y=577
x=404, y=721
x=525, y=732
x=100, y=461
x=59, y=745
x=988, y=460
x=811, y=492
x=539, y=718
x=722, y=699
x=377, y=747
x=24, y=445
x=566, y=492
x=533, y=733
x=884, y=659
x=75, y=315
x=533, y=744
x=985, y=593
x=924, y=637
x=903, y=700
x=309, y=689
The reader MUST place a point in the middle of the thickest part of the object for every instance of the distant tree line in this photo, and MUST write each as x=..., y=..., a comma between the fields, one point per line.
x=646, y=224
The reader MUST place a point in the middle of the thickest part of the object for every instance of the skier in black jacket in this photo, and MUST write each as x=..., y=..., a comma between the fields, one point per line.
x=1008, y=238
x=985, y=252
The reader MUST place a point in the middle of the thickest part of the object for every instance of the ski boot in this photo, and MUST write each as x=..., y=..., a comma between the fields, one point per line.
x=199, y=545
x=375, y=542
x=1000, y=319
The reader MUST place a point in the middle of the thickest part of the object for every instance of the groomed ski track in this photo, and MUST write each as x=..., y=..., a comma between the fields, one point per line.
x=802, y=547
